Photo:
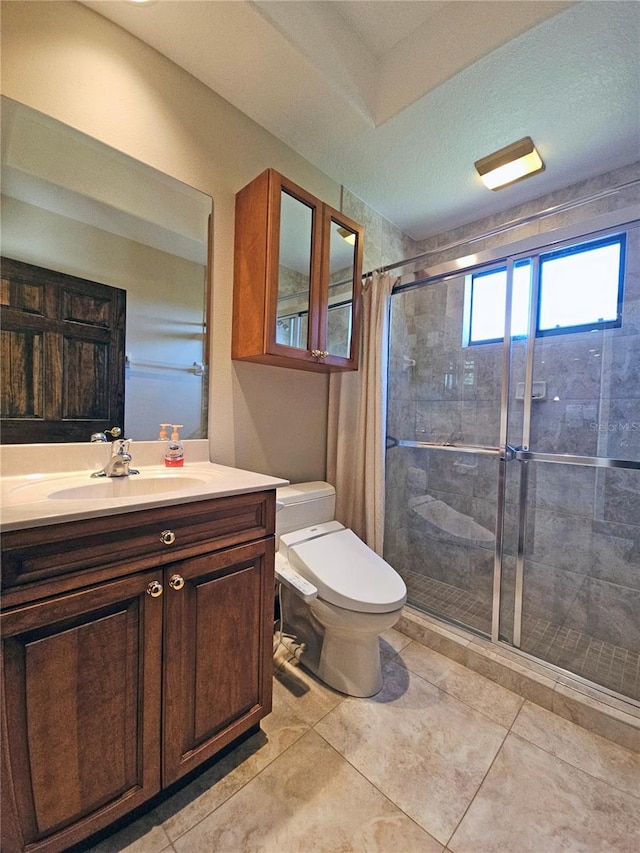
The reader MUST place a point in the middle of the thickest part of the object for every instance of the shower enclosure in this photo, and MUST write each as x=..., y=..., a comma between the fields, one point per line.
x=513, y=460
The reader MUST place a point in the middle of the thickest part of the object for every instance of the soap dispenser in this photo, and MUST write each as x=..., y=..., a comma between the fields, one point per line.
x=174, y=456
x=164, y=435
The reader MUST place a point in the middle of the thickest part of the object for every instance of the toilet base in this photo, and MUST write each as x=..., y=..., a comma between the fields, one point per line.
x=351, y=667
x=342, y=647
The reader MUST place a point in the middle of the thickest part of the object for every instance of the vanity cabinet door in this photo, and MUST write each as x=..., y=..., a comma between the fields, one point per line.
x=218, y=652
x=81, y=701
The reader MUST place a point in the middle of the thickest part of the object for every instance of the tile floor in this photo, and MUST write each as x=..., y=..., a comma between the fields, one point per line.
x=441, y=760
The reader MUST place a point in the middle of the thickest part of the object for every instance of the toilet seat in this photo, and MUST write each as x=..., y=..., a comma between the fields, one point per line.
x=346, y=572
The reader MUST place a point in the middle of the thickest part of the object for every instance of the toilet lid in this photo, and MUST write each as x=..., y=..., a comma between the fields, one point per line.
x=348, y=573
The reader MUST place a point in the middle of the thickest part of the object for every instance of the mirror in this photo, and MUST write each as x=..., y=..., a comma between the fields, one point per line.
x=342, y=262
x=75, y=206
x=294, y=272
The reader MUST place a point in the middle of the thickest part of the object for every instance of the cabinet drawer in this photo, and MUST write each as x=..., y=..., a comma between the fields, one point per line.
x=83, y=552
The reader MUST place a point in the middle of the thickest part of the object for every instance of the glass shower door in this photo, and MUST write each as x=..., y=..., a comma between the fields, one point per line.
x=573, y=596
x=444, y=415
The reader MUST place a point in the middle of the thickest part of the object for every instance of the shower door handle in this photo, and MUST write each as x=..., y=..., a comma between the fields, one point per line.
x=572, y=459
x=479, y=449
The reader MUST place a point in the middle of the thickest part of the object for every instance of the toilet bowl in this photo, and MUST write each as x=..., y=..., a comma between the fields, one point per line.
x=348, y=595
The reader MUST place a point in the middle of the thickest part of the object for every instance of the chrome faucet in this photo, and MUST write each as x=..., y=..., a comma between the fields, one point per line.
x=118, y=465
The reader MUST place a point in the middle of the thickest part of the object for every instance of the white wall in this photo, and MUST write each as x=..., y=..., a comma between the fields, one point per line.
x=70, y=63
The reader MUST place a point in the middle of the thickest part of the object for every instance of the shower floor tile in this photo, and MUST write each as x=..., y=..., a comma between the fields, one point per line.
x=613, y=667
x=439, y=597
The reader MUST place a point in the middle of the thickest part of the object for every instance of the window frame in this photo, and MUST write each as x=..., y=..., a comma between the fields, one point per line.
x=575, y=249
x=619, y=238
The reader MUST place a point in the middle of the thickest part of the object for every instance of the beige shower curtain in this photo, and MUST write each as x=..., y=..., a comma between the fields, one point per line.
x=357, y=422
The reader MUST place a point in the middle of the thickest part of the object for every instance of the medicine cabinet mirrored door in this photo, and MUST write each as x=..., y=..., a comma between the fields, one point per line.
x=342, y=264
x=295, y=257
x=297, y=273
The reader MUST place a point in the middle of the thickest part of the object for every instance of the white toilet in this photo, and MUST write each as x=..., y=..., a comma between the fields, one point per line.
x=337, y=594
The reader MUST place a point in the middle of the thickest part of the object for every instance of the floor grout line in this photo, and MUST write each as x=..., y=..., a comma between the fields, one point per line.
x=568, y=763
x=457, y=698
x=493, y=761
x=373, y=785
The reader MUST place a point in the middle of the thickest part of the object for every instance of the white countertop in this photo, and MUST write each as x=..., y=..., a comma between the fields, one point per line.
x=37, y=498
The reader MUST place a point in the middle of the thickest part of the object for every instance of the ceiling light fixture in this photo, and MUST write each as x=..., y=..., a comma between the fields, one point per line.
x=348, y=236
x=510, y=164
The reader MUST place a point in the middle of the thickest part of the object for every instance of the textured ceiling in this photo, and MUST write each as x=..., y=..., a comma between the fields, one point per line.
x=396, y=100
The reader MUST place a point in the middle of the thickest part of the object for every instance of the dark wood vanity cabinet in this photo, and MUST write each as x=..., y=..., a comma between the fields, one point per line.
x=122, y=674
x=297, y=271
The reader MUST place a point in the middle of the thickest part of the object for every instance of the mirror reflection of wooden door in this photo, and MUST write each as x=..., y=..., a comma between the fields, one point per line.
x=62, y=350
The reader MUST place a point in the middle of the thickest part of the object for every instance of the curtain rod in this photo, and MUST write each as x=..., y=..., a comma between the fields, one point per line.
x=512, y=223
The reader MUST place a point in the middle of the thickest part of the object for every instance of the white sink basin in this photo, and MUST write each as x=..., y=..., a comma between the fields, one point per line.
x=151, y=482
x=124, y=487
x=34, y=499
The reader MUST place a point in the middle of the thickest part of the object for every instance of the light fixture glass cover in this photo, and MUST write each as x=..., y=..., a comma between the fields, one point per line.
x=510, y=164
x=347, y=235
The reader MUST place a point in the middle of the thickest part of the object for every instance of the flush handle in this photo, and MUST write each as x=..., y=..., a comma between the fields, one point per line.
x=176, y=582
x=167, y=537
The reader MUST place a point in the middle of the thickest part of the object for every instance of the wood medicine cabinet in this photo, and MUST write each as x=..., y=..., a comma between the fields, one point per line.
x=297, y=271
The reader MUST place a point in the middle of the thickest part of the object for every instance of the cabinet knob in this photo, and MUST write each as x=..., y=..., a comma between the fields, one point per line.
x=324, y=353
x=167, y=537
x=176, y=582
x=315, y=353
x=154, y=589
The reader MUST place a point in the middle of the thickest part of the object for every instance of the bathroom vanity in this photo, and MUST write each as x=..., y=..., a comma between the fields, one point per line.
x=136, y=642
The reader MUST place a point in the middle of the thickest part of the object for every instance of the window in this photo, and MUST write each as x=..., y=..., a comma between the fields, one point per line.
x=580, y=289
x=488, y=299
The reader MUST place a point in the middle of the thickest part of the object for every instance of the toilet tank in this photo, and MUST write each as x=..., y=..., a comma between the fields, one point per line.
x=304, y=504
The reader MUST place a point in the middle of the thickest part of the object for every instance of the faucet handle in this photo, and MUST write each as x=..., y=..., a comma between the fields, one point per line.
x=114, y=432
x=120, y=447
